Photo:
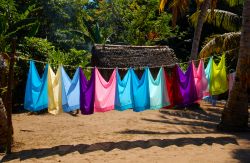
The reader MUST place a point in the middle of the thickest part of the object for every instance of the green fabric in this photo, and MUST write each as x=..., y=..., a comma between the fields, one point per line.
x=218, y=78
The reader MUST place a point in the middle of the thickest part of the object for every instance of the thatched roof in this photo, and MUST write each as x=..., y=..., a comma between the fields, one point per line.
x=121, y=56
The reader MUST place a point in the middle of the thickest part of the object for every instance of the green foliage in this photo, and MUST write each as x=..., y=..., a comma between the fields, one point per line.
x=135, y=22
x=43, y=50
x=15, y=23
x=68, y=25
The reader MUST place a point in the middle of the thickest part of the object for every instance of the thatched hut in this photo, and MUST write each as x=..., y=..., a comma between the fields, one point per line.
x=122, y=56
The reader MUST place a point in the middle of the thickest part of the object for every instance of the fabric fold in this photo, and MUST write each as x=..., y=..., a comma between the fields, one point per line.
x=36, y=92
x=70, y=91
x=54, y=91
x=87, y=93
x=157, y=90
x=124, y=92
x=186, y=84
x=104, y=92
x=200, y=79
x=218, y=77
x=169, y=82
x=208, y=74
x=140, y=92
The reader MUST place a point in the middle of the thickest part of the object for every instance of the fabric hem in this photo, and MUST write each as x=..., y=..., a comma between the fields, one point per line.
x=109, y=108
x=123, y=107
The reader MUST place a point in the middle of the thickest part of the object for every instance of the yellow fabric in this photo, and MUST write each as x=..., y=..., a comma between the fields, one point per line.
x=54, y=91
x=218, y=77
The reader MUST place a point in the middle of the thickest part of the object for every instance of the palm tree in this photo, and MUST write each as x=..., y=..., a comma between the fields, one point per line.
x=176, y=4
x=197, y=33
x=235, y=114
x=181, y=6
x=220, y=43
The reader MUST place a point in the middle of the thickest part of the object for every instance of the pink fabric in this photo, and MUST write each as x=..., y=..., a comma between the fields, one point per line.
x=104, y=92
x=200, y=80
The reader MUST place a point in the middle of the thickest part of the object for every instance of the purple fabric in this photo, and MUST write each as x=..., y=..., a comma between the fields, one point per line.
x=87, y=90
x=186, y=85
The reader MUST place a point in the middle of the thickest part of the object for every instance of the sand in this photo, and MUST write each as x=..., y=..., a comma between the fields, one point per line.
x=164, y=135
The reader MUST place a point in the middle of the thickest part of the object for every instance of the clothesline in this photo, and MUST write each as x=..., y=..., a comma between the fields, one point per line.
x=108, y=68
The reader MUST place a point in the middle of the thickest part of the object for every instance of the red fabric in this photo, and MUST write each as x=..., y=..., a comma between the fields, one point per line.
x=169, y=83
x=174, y=93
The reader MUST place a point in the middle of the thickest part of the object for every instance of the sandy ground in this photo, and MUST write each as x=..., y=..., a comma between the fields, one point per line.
x=149, y=136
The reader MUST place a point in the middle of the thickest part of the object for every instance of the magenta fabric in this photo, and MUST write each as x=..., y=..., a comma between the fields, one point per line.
x=200, y=80
x=186, y=84
x=87, y=92
x=104, y=92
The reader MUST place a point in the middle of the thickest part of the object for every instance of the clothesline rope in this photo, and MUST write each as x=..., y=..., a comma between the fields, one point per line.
x=108, y=68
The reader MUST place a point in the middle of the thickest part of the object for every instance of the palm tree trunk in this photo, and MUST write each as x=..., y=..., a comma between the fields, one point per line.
x=3, y=126
x=198, y=29
x=235, y=114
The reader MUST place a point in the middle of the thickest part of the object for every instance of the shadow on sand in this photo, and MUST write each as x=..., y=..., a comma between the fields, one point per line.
x=122, y=145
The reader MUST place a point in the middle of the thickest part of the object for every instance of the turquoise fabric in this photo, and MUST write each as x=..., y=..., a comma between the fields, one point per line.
x=36, y=93
x=70, y=91
x=208, y=69
x=140, y=91
x=124, y=92
x=157, y=90
x=207, y=73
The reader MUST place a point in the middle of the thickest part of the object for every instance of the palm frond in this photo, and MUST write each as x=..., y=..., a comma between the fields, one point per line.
x=162, y=5
x=177, y=7
x=219, y=18
x=221, y=43
x=232, y=3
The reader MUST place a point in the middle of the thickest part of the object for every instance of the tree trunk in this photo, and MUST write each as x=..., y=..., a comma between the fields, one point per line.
x=198, y=29
x=9, y=98
x=235, y=114
x=3, y=126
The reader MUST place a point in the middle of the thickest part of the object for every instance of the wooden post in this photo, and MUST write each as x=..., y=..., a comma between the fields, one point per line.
x=9, y=97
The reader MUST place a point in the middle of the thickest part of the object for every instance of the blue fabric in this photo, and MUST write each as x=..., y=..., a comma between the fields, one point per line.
x=208, y=69
x=70, y=91
x=140, y=91
x=207, y=73
x=157, y=90
x=36, y=93
x=124, y=94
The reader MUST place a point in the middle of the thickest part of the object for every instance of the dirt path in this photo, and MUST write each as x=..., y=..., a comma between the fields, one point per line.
x=150, y=136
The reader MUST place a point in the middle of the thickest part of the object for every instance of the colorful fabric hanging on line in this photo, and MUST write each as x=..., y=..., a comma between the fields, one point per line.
x=58, y=92
x=185, y=85
x=70, y=91
x=157, y=90
x=104, y=92
x=140, y=92
x=87, y=90
x=124, y=91
x=200, y=80
x=218, y=78
x=54, y=91
x=36, y=92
